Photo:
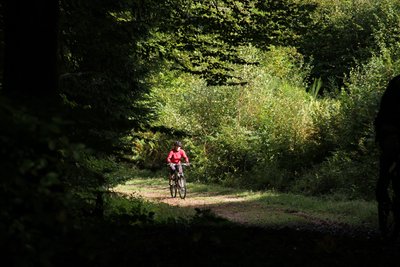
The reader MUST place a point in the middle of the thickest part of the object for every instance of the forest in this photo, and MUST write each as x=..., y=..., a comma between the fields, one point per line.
x=264, y=95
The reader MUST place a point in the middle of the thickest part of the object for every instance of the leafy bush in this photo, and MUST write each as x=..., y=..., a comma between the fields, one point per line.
x=233, y=130
x=352, y=167
x=343, y=173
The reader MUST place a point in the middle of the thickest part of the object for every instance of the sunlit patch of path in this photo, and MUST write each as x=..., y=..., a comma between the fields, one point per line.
x=161, y=194
x=230, y=206
x=244, y=208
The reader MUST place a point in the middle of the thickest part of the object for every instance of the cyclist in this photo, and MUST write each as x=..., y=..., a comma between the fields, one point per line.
x=387, y=129
x=174, y=157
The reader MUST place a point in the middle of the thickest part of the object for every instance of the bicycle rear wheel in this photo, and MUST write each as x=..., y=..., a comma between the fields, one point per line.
x=182, y=187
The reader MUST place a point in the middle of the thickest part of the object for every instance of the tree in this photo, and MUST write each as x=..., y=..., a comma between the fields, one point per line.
x=103, y=69
x=30, y=38
x=30, y=191
x=203, y=37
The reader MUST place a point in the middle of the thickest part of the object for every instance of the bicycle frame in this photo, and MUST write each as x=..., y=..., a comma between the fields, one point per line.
x=179, y=183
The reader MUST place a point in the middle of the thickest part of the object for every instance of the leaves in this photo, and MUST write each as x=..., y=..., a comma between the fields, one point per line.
x=204, y=37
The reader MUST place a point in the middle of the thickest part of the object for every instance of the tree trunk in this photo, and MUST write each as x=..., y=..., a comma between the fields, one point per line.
x=30, y=49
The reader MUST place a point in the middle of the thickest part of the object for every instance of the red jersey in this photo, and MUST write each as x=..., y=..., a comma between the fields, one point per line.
x=175, y=156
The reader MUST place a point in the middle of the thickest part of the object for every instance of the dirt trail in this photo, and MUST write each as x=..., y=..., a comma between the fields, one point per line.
x=236, y=208
x=304, y=241
x=229, y=206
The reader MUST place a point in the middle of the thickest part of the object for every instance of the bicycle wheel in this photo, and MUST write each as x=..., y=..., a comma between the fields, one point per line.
x=182, y=187
x=172, y=189
x=173, y=186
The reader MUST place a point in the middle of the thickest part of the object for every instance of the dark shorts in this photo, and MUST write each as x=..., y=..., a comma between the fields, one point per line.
x=172, y=168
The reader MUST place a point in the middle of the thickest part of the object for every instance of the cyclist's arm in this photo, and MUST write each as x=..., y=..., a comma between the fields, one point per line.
x=184, y=156
x=169, y=157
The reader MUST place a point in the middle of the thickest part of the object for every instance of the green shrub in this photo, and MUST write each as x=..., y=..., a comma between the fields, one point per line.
x=342, y=173
x=352, y=167
x=274, y=131
x=234, y=130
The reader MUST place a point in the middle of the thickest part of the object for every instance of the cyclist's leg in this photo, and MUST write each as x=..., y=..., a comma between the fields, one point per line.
x=171, y=174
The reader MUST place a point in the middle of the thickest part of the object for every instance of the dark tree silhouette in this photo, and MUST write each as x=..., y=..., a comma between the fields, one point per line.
x=28, y=100
x=387, y=127
x=30, y=47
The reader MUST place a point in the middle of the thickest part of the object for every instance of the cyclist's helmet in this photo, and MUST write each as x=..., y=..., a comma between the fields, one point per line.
x=177, y=143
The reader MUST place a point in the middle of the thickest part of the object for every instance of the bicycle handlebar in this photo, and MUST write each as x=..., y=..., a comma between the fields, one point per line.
x=183, y=164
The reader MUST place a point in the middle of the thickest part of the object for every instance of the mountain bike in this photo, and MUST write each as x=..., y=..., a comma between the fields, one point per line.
x=178, y=182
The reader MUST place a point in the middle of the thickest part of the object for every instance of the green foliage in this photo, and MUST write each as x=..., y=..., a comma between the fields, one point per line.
x=129, y=210
x=271, y=124
x=386, y=15
x=316, y=87
x=344, y=34
x=150, y=150
x=204, y=37
x=233, y=131
x=343, y=173
x=33, y=205
x=352, y=169
x=54, y=177
x=271, y=133
x=102, y=71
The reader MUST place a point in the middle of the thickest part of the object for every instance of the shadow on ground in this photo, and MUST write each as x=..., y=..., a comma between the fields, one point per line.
x=212, y=241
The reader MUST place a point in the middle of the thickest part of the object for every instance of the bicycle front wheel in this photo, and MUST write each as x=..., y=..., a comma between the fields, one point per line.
x=173, y=189
x=182, y=187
